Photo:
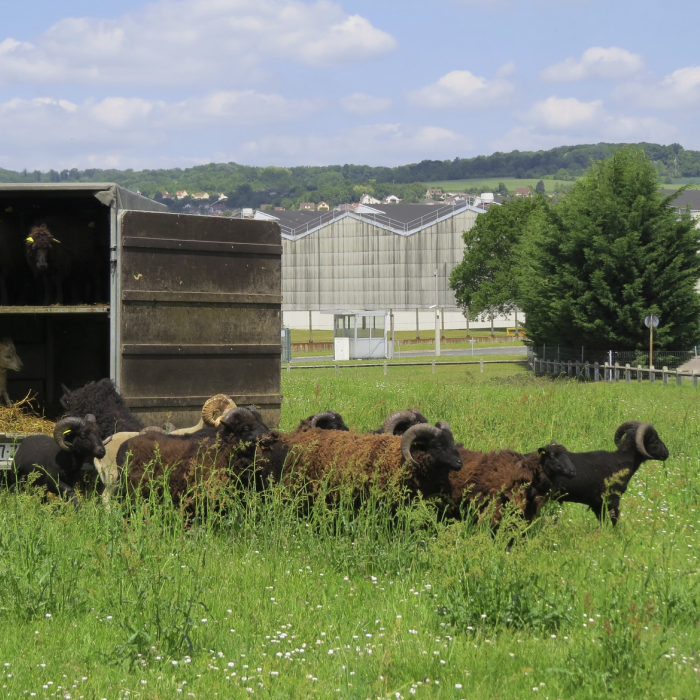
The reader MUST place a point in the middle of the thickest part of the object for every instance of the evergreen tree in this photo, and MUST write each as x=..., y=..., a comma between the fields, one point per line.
x=614, y=250
x=486, y=278
x=539, y=187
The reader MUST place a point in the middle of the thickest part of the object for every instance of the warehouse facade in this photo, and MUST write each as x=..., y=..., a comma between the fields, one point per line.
x=379, y=257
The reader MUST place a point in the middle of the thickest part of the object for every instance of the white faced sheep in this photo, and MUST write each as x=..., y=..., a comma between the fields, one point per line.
x=60, y=461
x=602, y=477
x=9, y=360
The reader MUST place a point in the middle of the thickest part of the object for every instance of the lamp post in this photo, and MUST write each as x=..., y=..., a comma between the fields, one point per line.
x=437, y=317
x=222, y=198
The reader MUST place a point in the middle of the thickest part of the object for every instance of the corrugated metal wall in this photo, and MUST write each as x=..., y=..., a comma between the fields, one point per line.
x=353, y=264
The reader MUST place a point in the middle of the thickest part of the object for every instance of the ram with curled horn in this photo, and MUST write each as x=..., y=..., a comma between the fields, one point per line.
x=62, y=461
x=400, y=421
x=333, y=460
x=602, y=477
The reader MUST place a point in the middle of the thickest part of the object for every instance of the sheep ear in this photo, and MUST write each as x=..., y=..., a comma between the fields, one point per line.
x=90, y=418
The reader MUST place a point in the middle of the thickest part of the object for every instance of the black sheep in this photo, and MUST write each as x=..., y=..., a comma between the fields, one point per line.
x=60, y=461
x=102, y=400
x=398, y=423
x=603, y=476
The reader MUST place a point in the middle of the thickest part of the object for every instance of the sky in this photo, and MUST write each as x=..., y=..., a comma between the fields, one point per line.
x=176, y=83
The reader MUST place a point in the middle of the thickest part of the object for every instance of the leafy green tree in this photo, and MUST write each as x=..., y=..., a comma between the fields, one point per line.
x=502, y=189
x=486, y=280
x=539, y=187
x=614, y=250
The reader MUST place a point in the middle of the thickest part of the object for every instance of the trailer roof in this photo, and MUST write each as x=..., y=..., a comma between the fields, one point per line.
x=106, y=192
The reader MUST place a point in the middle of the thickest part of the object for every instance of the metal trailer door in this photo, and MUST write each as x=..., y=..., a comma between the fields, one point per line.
x=200, y=314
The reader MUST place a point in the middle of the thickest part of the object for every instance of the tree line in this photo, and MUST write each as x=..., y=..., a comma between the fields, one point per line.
x=588, y=269
x=246, y=185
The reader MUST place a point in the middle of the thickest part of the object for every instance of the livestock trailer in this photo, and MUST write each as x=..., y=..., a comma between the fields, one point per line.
x=191, y=308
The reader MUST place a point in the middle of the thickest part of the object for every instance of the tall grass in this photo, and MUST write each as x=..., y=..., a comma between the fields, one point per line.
x=252, y=599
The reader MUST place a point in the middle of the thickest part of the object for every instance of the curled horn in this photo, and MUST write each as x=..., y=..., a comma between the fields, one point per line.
x=411, y=434
x=395, y=418
x=619, y=433
x=153, y=429
x=63, y=427
x=642, y=430
x=215, y=408
x=321, y=416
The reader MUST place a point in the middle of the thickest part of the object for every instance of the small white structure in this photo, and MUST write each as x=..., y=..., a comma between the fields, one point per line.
x=360, y=335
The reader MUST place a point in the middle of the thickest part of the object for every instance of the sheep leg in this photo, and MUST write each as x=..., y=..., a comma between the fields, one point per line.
x=68, y=493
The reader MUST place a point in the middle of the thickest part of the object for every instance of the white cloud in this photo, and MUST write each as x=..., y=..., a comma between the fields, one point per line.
x=564, y=113
x=679, y=90
x=610, y=64
x=45, y=130
x=359, y=103
x=557, y=121
x=461, y=89
x=179, y=42
x=378, y=144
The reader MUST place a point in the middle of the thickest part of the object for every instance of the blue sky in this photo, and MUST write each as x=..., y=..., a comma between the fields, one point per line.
x=313, y=82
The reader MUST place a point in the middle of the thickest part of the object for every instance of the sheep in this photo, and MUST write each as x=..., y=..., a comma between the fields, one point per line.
x=338, y=459
x=9, y=359
x=603, y=476
x=107, y=466
x=508, y=476
x=103, y=401
x=11, y=258
x=60, y=461
x=189, y=458
x=328, y=420
x=69, y=267
x=398, y=423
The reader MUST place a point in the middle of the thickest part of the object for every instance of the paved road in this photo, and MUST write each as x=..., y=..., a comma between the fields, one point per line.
x=508, y=350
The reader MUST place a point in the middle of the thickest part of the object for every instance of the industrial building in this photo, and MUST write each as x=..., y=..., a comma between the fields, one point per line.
x=391, y=257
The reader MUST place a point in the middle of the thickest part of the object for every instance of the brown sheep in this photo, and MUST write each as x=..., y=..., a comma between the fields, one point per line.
x=188, y=460
x=507, y=477
x=420, y=460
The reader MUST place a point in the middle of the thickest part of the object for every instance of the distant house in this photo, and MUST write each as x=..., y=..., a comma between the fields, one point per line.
x=347, y=207
x=369, y=199
x=201, y=195
x=322, y=206
x=690, y=199
x=436, y=193
x=265, y=207
x=391, y=199
x=166, y=195
x=279, y=208
x=181, y=194
x=523, y=192
x=307, y=206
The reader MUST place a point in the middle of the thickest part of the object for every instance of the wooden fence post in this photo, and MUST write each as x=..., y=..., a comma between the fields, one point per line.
x=628, y=374
x=577, y=369
x=433, y=366
x=652, y=375
x=481, y=366
x=289, y=366
x=385, y=368
x=336, y=368
x=568, y=369
x=587, y=370
x=679, y=378
x=664, y=374
x=639, y=374
x=695, y=378
x=617, y=372
x=596, y=372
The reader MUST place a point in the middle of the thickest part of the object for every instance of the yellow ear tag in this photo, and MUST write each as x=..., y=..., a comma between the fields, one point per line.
x=30, y=240
x=91, y=224
x=55, y=240
x=65, y=432
x=541, y=452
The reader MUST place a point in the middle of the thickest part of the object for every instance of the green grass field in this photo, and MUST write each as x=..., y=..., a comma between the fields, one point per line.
x=490, y=184
x=254, y=601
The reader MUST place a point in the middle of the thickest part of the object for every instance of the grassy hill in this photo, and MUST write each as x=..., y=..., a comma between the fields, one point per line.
x=491, y=184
